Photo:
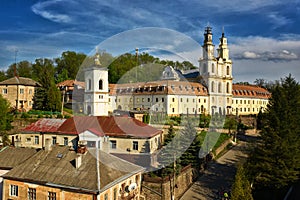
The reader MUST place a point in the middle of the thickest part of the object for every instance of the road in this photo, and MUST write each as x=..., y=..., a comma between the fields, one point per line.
x=219, y=174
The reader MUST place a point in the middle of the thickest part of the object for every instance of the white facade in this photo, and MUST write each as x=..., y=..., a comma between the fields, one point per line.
x=217, y=74
x=96, y=95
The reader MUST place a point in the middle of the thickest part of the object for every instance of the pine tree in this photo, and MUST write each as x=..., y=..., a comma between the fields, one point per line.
x=190, y=144
x=275, y=162
x=241, y=188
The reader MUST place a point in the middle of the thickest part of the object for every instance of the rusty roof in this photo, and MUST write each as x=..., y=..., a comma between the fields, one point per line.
x=251, y=91
x=12, y=156
x=19, y=81
x=47, y=168
x=71, y=83
x=44, y=125
x=114, y=126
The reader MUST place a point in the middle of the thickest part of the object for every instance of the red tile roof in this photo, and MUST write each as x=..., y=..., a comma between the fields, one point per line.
x=114, y=126
x=44, y=125
x=239, y=90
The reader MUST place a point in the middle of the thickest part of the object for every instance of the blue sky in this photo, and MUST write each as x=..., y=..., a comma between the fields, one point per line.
x=263, y=36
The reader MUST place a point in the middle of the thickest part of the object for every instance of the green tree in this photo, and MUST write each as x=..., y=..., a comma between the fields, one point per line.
x=69, y=61
x=47, y=97
x=2, y=76
x=168, y=153
x=241, y=188
x=275, y=162
x=5, y=120
x=23, y=69
x=190, y=143
x=230, y=124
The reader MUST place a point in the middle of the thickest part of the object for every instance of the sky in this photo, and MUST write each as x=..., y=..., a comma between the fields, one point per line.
x=263, y=36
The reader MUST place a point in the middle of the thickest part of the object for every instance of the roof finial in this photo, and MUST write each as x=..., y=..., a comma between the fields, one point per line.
x=97, y=59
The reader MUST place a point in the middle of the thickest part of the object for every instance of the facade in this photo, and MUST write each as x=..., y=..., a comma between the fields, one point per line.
x=216, y=74
x=36, y=134
x=96, y=90
x=58, y=173
x=19, y=92
x=10, y=157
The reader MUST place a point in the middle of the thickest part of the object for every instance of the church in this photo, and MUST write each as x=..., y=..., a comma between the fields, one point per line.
x=207, y=90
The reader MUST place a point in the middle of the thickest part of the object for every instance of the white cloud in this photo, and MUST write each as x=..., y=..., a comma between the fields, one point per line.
x=267, y=49
x=40, y=8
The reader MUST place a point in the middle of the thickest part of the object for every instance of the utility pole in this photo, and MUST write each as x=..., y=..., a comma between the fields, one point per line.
x=137, y=63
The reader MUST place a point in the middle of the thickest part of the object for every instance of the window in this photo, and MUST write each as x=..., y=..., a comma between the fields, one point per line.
x=36, y=140
x=14, y=190
x=143, y=99
x=187, y=100
x=228, y=70
x=100, y=84
x=148, y=99
x=212, y=86
x=227, y=88
x=66, y=141
x=199, y=100
x=220, y=88
x=31, y=194
x=91, y=144
x=100, y=96
x=162, y=99
x=51, y=195
x=4, y=91
x=106, y=196
x=30, y=91
x=21, y=91
x=54, y=140
x=115, y=194
x=89, y=84
x=113, y=144
x=173, y=99
x=213, y=68
x=180, y=99
x=204, y=100
x=173, y=110
x=156, y=99
x=135, y=145
x=28, y=139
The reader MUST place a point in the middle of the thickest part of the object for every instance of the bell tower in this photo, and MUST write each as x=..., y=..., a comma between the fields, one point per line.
x=96, y=92
x=216, y=73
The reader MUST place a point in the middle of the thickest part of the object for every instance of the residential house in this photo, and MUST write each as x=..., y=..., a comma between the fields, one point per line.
x=59, y=173
x=19, y=92
x=10, y=157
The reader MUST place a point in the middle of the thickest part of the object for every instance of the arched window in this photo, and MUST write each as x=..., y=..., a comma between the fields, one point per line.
x=213, y=68
x=220, y=88
x=212, y=86
x=227, y=88
x=228, y=70
x=100, y=84
x=89, y=84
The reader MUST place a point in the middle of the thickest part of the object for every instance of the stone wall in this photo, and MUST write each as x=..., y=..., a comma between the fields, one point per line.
x=154, y=188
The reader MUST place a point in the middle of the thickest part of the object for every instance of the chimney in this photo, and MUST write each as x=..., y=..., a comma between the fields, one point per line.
x=47, y=145
x=82, y=149
x=78, y=161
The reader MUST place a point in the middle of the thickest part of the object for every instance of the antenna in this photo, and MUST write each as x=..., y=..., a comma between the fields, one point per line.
x=223, y=31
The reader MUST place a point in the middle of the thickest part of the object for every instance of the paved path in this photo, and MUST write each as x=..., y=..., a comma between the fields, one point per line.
x=219, y=174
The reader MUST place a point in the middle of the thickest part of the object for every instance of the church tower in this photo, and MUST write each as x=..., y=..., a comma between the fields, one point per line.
x=96, y=92
x=216, y=73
